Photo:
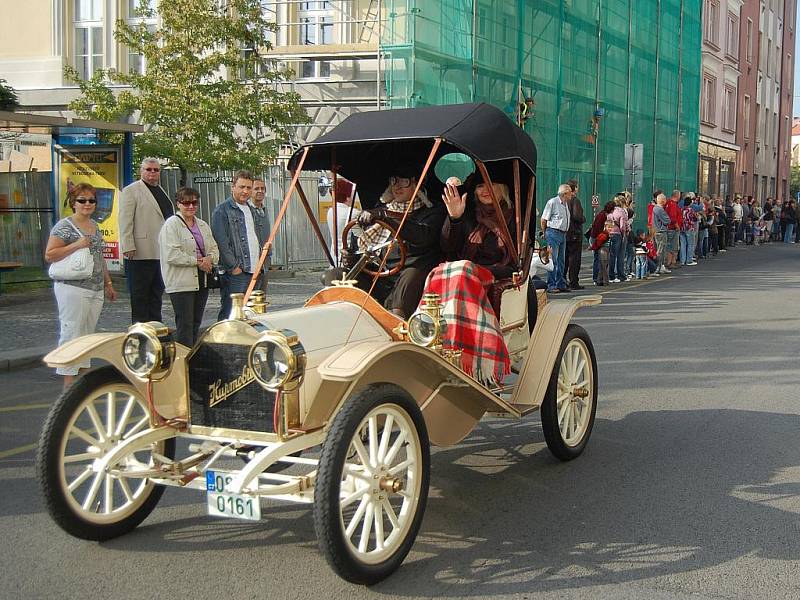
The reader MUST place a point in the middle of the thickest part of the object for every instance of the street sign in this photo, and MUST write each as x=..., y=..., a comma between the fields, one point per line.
x=634, y=159
x=595, y=201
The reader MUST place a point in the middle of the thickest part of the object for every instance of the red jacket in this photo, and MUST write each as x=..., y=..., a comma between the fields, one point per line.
x=674, y=212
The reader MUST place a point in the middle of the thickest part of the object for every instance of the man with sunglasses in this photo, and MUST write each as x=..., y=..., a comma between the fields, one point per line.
x=144, y=206
x=399, y=293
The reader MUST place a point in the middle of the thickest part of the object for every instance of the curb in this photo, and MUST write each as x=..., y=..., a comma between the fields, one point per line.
x=22, y=359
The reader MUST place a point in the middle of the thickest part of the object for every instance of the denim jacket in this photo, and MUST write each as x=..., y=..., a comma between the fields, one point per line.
x=229, y=229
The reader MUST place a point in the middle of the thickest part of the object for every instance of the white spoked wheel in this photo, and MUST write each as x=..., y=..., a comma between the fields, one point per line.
x=569, y=408
x=372, y=484
x=89, y=420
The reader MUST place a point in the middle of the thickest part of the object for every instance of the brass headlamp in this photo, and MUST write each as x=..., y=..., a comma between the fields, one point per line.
x=278, y=360
x=427, y=325
x=148, y=350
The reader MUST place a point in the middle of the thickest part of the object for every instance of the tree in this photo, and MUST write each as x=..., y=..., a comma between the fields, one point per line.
x=8, y=97
x=205, y=103
x=794, y=181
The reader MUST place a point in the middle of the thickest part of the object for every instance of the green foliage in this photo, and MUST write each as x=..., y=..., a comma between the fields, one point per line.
x=8, y=97
x=197, y=109
x=794, y=181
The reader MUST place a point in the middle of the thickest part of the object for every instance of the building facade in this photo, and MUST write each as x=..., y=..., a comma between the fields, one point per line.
x=332, y=47
x=597, y=76
x=719, y=92
x=766, y=50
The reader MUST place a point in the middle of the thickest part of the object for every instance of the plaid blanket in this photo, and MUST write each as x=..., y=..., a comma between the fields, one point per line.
x=472, y=326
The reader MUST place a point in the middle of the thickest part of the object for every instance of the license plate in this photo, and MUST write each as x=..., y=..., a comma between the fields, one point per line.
x=222, y=503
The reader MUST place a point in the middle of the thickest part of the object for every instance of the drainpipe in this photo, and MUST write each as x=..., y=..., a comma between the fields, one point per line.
x=597, y=95
x=655, y=106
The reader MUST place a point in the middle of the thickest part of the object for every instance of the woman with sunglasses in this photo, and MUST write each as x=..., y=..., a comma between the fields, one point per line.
x=79, y=300
x=188, y=253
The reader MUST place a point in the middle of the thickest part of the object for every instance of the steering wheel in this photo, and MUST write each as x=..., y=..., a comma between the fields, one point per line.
x=375, y=255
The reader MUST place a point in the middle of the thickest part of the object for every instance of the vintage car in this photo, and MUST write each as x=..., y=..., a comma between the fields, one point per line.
x=335, y=403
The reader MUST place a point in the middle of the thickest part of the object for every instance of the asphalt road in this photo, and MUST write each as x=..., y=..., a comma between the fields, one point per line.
x=689, y=488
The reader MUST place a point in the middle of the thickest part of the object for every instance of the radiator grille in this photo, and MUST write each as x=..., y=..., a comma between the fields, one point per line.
x=223, y=392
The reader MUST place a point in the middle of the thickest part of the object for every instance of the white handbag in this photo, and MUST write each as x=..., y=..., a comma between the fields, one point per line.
x=78, y=265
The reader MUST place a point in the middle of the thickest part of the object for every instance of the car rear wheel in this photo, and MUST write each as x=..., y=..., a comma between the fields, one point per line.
x=570, y=404
x=89, y=419
x=372, y=484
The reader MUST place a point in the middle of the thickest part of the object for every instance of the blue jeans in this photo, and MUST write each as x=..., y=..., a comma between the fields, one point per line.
x=557, y=242
x=641, y=266
x=788, y=237
x=630, y=251
x=616, y=258
x=233, y=284
x=684, y=255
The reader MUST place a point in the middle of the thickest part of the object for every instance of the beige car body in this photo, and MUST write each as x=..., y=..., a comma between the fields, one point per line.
x=351, y=342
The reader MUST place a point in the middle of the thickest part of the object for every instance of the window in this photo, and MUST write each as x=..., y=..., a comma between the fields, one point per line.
x=749, y=51
x=253, y=63
x=708, y=99
x=88, y=35
x=746, y=116
x=315, y=23
x=732, y=46
x=729, y=109
x=140, y=11
x=711, y=25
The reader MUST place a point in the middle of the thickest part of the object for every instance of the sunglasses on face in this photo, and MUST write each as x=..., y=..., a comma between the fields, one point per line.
x=189, y=202
x=151, y=170
x=402, y=182
x=85, y=200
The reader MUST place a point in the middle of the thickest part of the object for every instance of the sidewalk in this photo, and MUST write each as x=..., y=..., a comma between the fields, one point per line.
x=30, y=319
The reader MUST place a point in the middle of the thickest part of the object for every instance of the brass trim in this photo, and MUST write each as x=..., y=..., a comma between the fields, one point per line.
x=288, y=342
x=153, y=332
x=431, y=306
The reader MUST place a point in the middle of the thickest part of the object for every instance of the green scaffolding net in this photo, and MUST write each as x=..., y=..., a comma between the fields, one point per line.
x=598, y=74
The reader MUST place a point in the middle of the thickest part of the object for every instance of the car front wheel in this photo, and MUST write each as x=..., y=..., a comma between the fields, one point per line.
x=372, y=484
x=94, y=415
x=570, y=404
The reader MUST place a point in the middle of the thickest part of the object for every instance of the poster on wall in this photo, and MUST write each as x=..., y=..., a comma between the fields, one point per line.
x=98, y=166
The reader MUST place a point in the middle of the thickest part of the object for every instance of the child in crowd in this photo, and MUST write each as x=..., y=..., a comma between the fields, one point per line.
x=641, y=255
x=601, y=245
x=540, y=263
x=652, y=257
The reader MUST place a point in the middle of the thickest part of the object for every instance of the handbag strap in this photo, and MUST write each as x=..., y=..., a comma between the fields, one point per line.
x=199, y=249
x=75, y=227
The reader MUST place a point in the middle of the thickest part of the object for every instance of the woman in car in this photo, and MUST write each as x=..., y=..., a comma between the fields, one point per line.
x=479, y=256
x=474, y=234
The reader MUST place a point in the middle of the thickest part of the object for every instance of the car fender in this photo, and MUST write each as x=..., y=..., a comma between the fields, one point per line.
x=451, y=401
x=170, y=394
x=534, y=376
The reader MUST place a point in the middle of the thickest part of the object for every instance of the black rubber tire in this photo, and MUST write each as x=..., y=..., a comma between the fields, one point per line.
x=533, y=308
x=48, y=464
x=549, y=410
x=327, y=520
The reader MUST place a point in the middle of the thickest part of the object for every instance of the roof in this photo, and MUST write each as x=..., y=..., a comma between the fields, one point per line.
x=32, y=123
x=481, y=131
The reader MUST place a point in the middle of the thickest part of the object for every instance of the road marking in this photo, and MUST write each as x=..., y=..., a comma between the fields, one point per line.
x=24, y=407
x=18, y=450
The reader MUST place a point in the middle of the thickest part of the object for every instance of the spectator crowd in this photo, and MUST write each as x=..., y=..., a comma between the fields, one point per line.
x=682, y=229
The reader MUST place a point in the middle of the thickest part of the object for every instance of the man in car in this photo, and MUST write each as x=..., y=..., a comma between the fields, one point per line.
x=399, y=293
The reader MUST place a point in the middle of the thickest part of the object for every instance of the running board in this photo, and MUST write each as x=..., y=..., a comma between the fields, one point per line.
x=523, y=410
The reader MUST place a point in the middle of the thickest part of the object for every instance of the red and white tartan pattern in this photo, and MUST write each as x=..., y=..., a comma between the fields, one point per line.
x=472, y=326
